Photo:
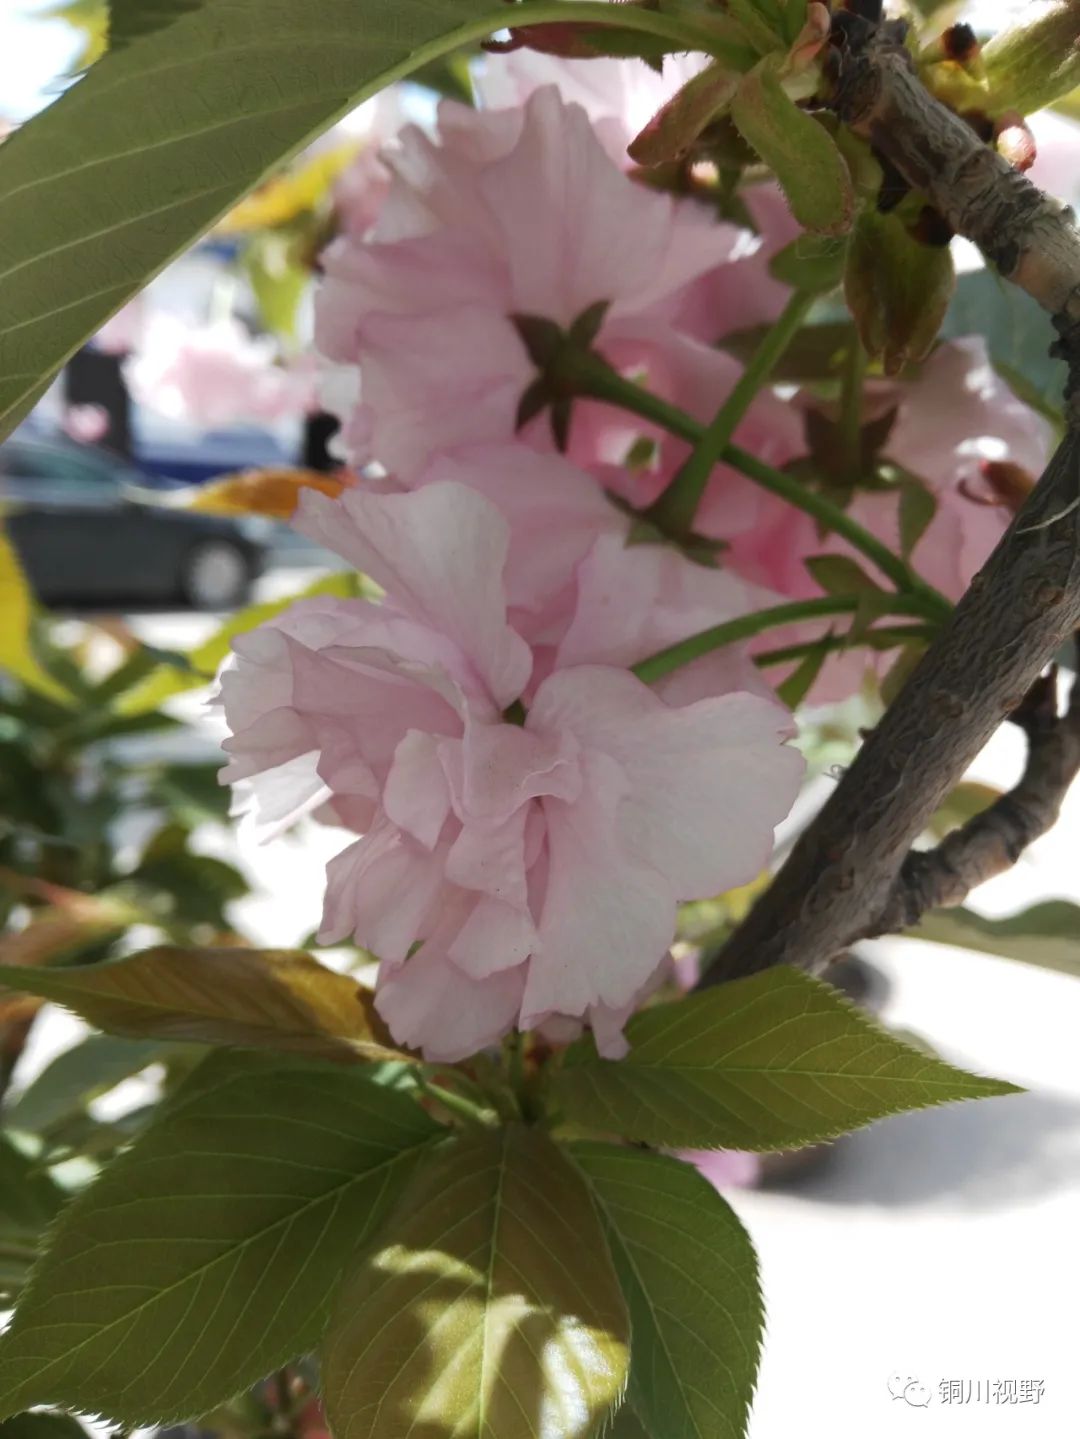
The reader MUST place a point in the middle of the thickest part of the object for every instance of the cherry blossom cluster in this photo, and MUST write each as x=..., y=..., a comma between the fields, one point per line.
x=527, y=812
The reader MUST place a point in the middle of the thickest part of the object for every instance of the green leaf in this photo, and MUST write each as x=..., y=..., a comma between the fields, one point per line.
x=29, y=1198
x=224, y=90
x=800, y=682
x=769, y=1062
x=207, y=1254
x=690, y=1277
x=918, y=506
x=492, y=1309
x=252, y=998
x=1014, y=327
x=1037, y=61
x=810, y=262
x=42, y=1426
x=841, y=575
x=672, y=131
x=75, y=1077
x=811, y=171
x=128, y=19
x=1046, y=935
x=627, y=1425
x=897, y=289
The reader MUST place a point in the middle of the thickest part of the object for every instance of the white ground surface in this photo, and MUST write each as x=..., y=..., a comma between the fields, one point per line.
x=936, y=1246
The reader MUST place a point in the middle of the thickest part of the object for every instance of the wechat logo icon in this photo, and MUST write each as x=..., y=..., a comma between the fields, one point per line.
x=911, y=1390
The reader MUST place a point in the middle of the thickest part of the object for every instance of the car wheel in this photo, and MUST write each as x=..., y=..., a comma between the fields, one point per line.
x=215, y=576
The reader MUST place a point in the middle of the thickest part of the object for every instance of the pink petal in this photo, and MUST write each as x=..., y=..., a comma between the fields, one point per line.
x=707, y=783
x=440, y=553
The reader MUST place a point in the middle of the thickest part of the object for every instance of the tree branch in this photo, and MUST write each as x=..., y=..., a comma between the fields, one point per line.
x=1025, y=602
x=991, y=842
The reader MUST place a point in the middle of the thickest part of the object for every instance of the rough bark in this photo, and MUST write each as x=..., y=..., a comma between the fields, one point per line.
x=991, y=842
x=844, y=871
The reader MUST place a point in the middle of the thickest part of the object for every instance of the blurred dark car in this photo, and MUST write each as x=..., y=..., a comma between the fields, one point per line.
x=89, y=527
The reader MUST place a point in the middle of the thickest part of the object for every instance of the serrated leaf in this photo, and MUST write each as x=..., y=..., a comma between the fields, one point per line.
x=1047, y=935
x=207, y=1254
x=77, y=1075
x=690, y=1277
x=897, y=289
x=492, y=1309
x=224, y=90
x=803, y=155
x=251, y=998
x=773, y=1061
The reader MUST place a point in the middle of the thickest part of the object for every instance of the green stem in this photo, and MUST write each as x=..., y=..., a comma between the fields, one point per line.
x=851, y=405
x=589, y=375
x=457, y=1104
x=888, y=637
x=674, y=511
x=662, y=663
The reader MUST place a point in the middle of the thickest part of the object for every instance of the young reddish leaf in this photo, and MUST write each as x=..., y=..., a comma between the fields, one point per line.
x=811, y=170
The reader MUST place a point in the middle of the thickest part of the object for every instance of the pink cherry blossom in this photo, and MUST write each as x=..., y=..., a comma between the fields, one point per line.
x=215, y=374
x=538, y=865
x=516, y=212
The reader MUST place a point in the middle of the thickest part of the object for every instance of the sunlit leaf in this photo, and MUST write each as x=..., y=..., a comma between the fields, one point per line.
x=207, y=1254
x=769, y=1062
x=690, y=1277
x=491, y=1309
x=273, y=999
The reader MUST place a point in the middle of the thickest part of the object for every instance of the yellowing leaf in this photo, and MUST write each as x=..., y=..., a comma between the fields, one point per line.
x=811, y=170
x=491, y=1310
x=16, y=615
x=261, y=492
x=251, y=998
x=291, y=193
